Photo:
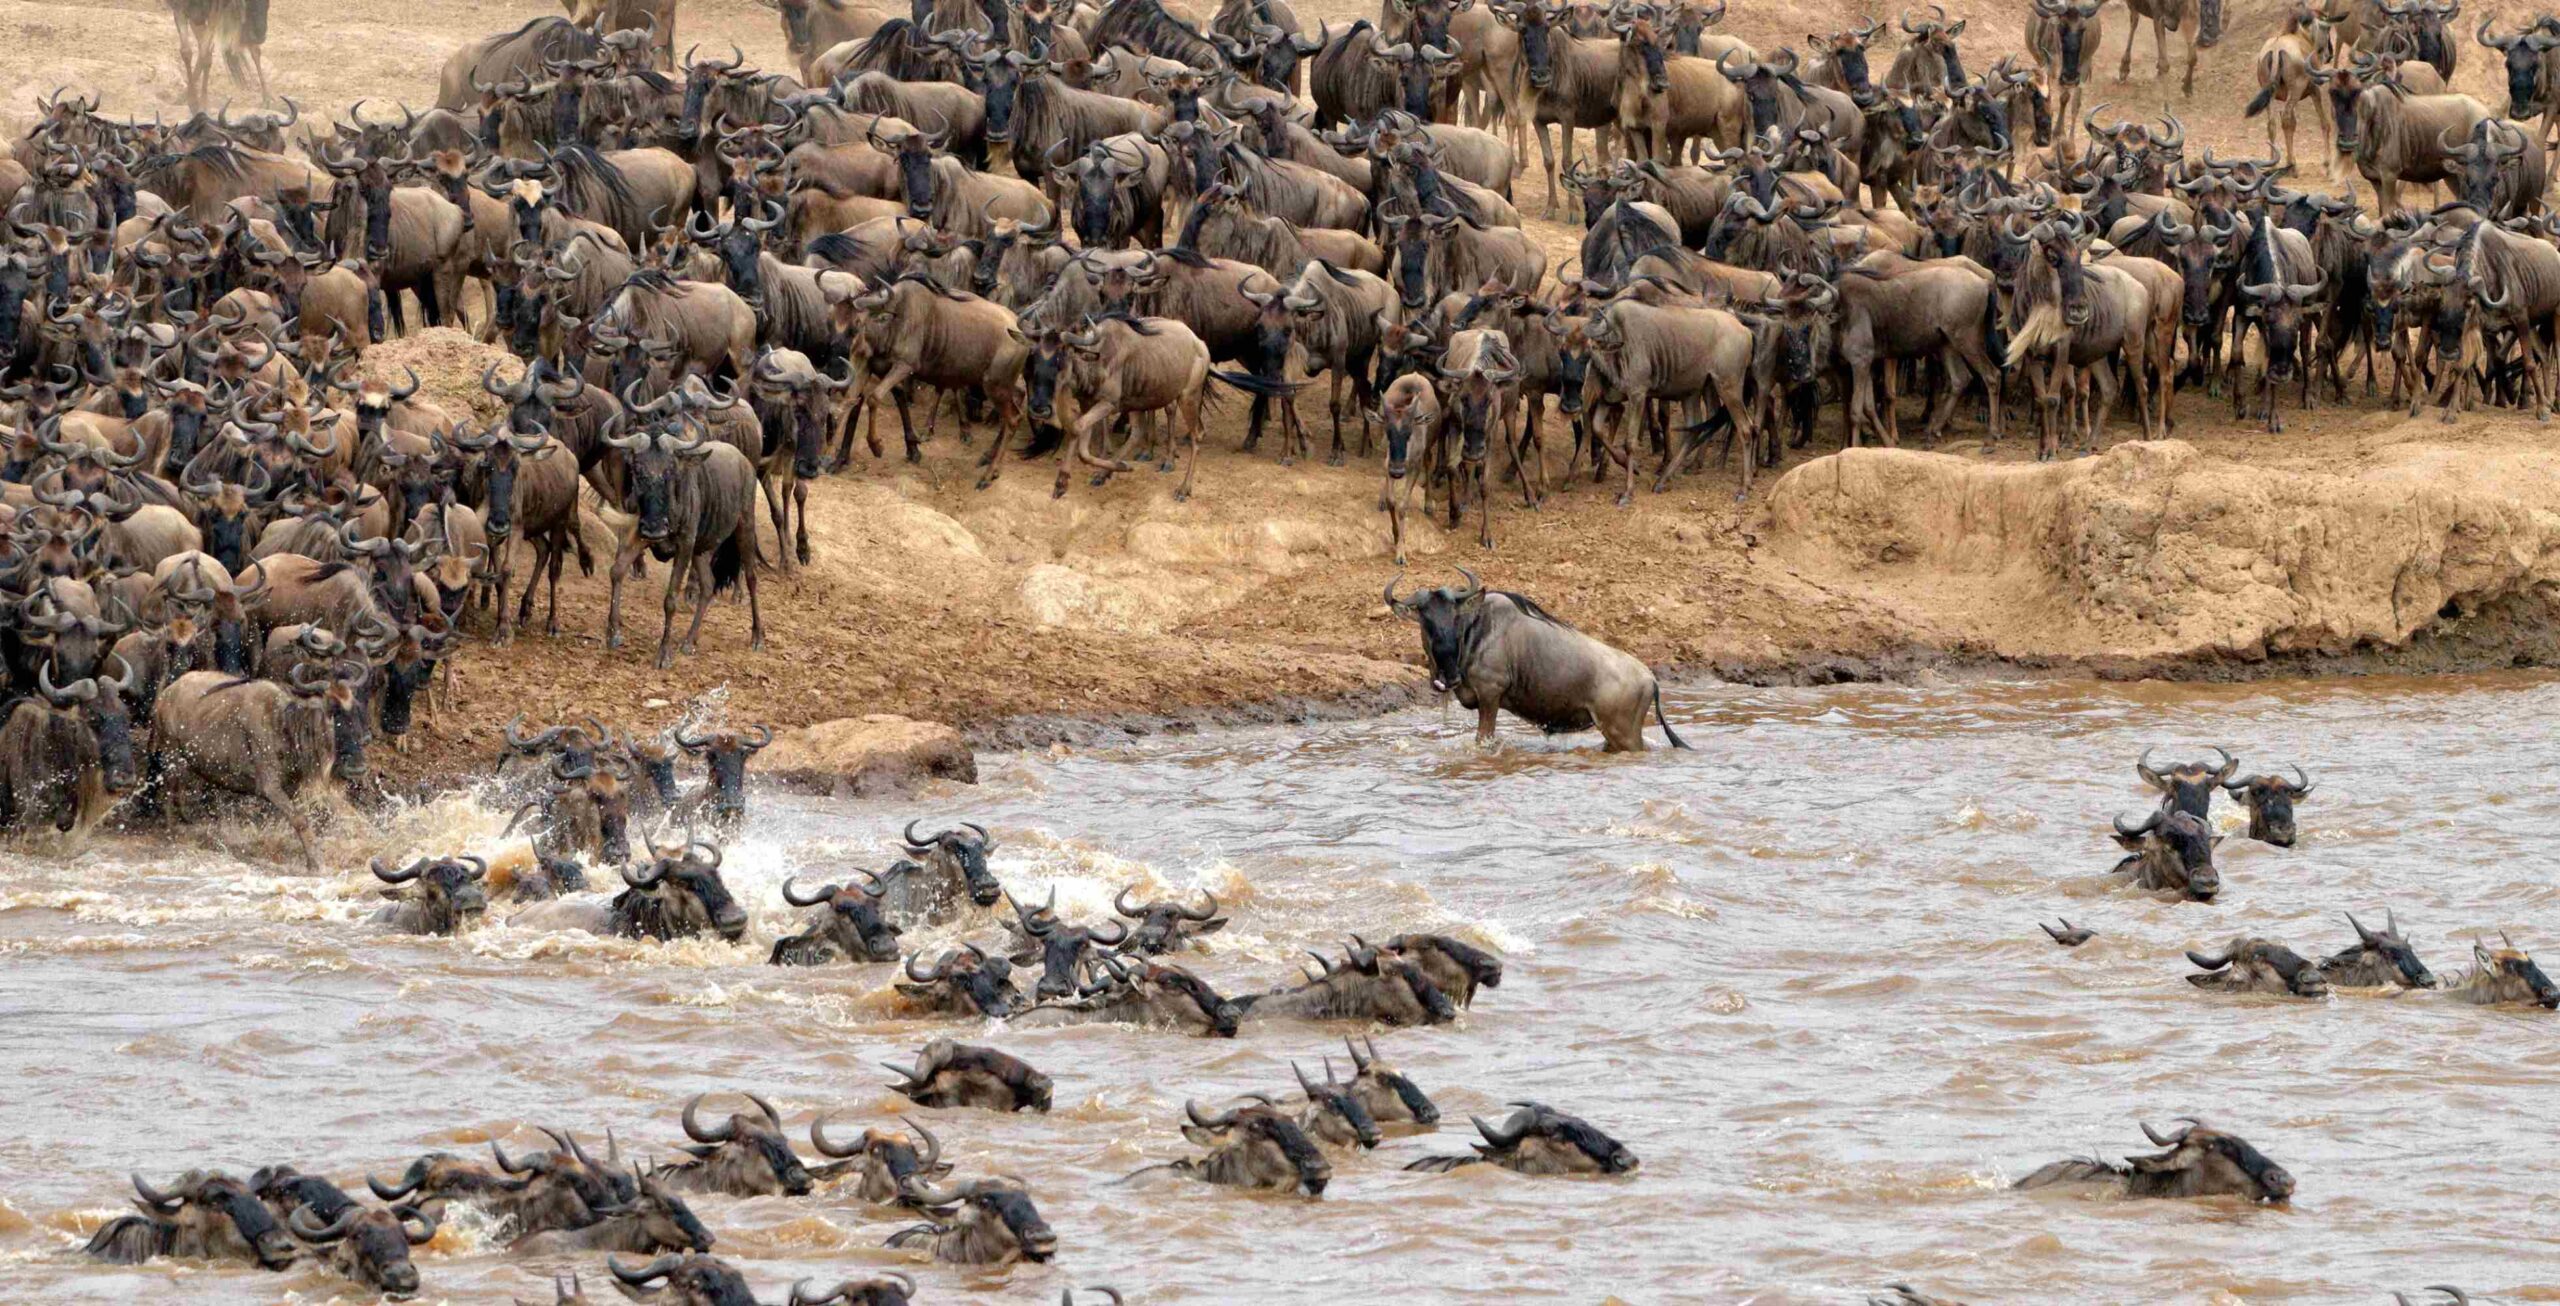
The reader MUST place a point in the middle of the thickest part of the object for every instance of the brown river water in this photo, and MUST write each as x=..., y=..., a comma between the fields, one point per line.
x=1797, y=971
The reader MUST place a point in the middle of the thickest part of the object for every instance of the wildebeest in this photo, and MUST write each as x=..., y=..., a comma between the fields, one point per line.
x=887, y=1168
x=724, y=755
x=1336, y=1114
x=969, y=982
x=1251, y=1146
x=1540, y=1140
x=953, y=872
x=2380, y=959
x=983, y=1222
x=849, y=926
x=652, y=1219
x=433, y=895
x=2504, y=974
x=2254, y=965
x=682, y=1280
x=2170, y=850
x=2269, y=800
x=744, y=1156
x=2406, y=137
x=205, y=1215
x=695, y=499
x=2188, y=786
x=2200, y=1162
x=1142, y=992
x=66, y=755
x=1458, y=968
x=948, y=1074
x=1066, y=953
x=678, y=895
x=369, y=1246
x=275, y=741
x=1391, y=1097
x=1367, y=985
x=1497, y=650
x=1165, y=926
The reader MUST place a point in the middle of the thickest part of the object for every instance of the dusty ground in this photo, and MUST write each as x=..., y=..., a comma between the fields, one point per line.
x=1017, y=617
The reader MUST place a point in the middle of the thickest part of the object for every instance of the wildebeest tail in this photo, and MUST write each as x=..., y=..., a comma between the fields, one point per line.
x=1255, y=385
x=1663, y=721
x=2270, y=71
x=728, y=562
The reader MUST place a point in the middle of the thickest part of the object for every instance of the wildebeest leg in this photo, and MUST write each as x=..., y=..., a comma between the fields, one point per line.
x=272, y=789
x=613, y=607
x=682, y=568
x=1186, y=413
x=781, y=518
x=542, y=551
x=799, y=519
x=1547, y=160
x=504, y=570
x=1474, y=474
x=1486, y=710
x=559, y=551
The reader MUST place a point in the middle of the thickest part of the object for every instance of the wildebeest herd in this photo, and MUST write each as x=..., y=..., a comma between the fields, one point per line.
x=234, y=559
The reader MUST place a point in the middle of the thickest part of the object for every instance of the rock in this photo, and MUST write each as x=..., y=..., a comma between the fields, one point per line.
x=867, y=755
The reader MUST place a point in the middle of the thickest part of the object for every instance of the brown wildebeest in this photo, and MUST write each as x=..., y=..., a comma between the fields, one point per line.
x=1499, y=651
x=236, y=28
x=273, y=741
x=2201, y=1162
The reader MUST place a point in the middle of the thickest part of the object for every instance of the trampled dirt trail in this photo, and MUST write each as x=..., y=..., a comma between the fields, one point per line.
x=2360, y=535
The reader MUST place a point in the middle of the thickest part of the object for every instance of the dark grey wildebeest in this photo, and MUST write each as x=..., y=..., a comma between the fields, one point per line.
x=1497, y=650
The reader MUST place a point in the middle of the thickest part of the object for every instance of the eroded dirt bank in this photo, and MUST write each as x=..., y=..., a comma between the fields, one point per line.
x=2362, y=540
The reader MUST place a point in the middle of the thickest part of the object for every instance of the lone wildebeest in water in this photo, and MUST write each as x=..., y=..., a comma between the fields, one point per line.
x=2200, y=1162
x=1498, y=650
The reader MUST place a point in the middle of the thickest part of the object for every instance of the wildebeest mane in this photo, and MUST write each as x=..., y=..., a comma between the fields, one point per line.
x=1144, y=25
x=939, y=290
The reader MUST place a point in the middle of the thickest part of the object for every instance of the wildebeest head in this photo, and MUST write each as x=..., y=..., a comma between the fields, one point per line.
x=888, y=1288
x=2205, y=1162
x=969, y=982
x=2072, y=22
x=962, y=1074
x=1448, y=615
x=2197, y=252
x=745, y=1156
x=680, y=893
x=960, y=854
x=2269, y=800
x=285, y=1190
x=739, y=244
x=2523, y=53
x=564, y=1186
x=1389, y=1095
x=1454, y=965
x=370, y=1246
x=851, y=925
x=1538, y=1139
x=1848, y=52
x=2280, y=309
x=1382, y=986
x=1256, y=1146
x=2171, y=850
x=724, y=754
x=1336, y=1112
x=447, y=890
x=219, y=1214
x=1164, y=925
x=1150, y=992
x=689, y=1280
x=652, y=466
x=2188, y=786
x=2259, y=966
x=2506, y=974
x=889, y=1168
x=99, y=707
x=2380, y=959
x=1065, y=952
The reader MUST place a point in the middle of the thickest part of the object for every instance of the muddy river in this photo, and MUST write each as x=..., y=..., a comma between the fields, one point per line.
x=1797, y=971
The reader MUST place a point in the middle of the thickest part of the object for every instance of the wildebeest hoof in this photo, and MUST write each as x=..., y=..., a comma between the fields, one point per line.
x=1335, y=460
x=915, y=456
x=1182, y=496
x=986, y=480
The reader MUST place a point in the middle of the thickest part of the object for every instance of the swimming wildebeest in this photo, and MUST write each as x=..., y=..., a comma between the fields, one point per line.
x=206, y=1214
x=1067, y=953
x=1252, y=1146
x=1392, y=1098
x=2201, y=1162
x=848, y=926
x=2505, y=974
x=1165, y=926
x=370, y=1246
x=965, y=1075
x=2170, y=850
x=744, y=1156
x=2252, y=965
x=953, y=869
x=1336, y=1114
x=2380, y=959
x=688, y=1280
x=886, y=1168
x=1366, y=985
x=1454, y=966
x=2270, y=800
x=970, y=982
x=433, y=895
x=2188, y=786
x=1498, y=650
x=984, y=1222
x=1138, y=991
x=1539, y=1139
